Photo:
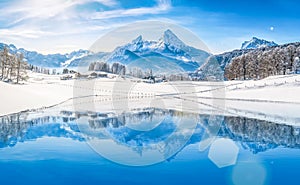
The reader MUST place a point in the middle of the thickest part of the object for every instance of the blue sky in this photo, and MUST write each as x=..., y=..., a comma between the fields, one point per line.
x=51, y=26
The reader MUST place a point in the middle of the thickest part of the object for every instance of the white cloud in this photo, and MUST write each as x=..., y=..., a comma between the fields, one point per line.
x=39, y=11
x=32, y=23
x=110, y=3
x=162, y=6
x=21, y=33
x=44, y=9
x=36, y=8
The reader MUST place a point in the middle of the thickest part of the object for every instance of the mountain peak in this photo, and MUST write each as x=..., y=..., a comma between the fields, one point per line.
x=138, y=39
x=169, y=32
x=256, y=43
x=170, y=38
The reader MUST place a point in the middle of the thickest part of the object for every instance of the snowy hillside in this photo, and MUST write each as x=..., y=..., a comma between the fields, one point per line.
x=215, y=65
x=256, y=43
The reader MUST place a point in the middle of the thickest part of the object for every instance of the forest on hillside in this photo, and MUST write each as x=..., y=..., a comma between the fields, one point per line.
x=261, y=63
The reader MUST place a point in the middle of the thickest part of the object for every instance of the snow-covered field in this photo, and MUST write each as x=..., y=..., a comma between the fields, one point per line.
x=275, y=98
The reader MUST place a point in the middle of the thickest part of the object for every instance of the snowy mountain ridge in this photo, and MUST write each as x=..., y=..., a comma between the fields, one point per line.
x=49, y=60
x=166, y=55
x=256, y=43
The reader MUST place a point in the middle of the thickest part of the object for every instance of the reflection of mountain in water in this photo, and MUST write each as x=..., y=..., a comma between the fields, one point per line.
x=255, y=135
x=16, y=128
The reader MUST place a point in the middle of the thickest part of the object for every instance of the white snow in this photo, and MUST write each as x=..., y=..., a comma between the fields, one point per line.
x=38, y=92
x=275, y=98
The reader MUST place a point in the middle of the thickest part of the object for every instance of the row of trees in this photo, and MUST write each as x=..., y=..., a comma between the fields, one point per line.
x=262, y=63
x=13, y=68
x=42, y=70
x=116, y=68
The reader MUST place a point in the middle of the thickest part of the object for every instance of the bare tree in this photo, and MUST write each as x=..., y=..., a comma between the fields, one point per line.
x=4, y=57
x=13, y=69
x=19, y=61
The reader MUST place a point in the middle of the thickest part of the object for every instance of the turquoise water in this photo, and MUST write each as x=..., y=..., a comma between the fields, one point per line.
x=55, y=150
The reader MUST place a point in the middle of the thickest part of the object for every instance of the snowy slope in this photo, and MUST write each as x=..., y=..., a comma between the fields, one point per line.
x=215, y=65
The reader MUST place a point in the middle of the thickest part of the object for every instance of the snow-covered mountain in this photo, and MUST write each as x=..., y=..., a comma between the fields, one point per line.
x=256, y=43
x=168, y=54
x=50, y=60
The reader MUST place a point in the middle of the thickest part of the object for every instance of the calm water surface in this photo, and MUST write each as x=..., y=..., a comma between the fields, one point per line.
x=46, y=149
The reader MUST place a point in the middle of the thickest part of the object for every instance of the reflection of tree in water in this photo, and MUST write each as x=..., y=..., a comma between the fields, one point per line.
x=165, y=137
x=254, y=135
x=19, y=127
x=102, y=121
x=259, y=135
x=11, y=129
